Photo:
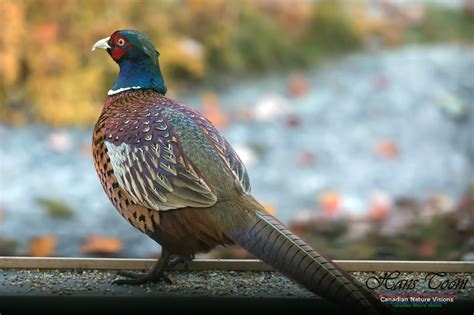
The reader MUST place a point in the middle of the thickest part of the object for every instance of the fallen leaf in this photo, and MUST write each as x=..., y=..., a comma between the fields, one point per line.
x=298, y=85
x=387, y=148
x=306, y=158
x=96, y=244
x=293, y=121
x=381, y=82
x=330, y=202
x=380, y=205
x=42, y=246
x=212, y=110
x=427, y=249
x=378, y=211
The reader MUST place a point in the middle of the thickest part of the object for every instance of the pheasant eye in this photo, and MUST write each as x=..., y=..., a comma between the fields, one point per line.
x=120, y=42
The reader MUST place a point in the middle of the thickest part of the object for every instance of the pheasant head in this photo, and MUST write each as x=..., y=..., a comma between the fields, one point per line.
x=138, y=61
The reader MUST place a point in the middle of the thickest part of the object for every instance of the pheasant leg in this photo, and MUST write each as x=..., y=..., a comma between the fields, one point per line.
x=180, y=260
x=155, y=274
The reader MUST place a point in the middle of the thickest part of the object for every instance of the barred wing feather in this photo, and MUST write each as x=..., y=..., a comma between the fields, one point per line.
x=155, y=177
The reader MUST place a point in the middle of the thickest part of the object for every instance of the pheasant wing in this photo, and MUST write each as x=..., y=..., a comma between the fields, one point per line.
x=150, y=165
x=223, y=148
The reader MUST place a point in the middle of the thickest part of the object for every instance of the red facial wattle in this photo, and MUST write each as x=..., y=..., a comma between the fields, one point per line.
x=119, y=46
x=117, y=53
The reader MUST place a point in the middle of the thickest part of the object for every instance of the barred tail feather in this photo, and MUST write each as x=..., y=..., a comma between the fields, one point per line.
x=269, y=240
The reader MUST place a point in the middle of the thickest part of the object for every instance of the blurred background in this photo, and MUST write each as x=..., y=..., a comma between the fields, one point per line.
x=355, y=118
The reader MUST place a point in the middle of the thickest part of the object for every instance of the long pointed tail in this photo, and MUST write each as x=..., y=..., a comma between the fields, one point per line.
x=269, y=240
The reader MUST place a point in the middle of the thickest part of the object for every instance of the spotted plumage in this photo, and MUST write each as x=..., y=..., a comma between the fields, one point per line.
x=170, y=173
x=141, y=162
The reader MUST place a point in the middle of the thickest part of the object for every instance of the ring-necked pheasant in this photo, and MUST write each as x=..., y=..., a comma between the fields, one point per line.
x=171, y=174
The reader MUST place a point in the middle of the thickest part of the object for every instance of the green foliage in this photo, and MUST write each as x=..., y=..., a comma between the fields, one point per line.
x=443, y=24
x=332, y=29
x=50, y=75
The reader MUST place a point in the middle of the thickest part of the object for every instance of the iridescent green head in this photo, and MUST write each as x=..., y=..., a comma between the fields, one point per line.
x=137, y=58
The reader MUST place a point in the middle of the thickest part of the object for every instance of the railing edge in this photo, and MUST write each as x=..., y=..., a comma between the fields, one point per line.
x=11, y=262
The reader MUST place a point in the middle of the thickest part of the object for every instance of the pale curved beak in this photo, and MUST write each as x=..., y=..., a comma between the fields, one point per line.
x=101, y=44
